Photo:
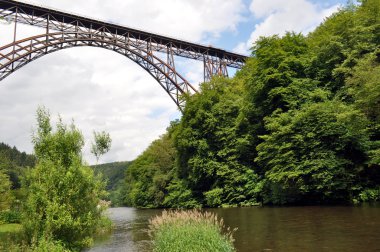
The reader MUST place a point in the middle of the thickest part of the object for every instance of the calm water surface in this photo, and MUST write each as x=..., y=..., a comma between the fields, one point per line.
x=339, y=228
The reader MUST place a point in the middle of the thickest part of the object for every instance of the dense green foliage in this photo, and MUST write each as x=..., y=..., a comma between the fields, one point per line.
x=210, y=150
x=63, y=193
x=151, y=178
x=314, y=154
x=299, y=124
x=190, y=231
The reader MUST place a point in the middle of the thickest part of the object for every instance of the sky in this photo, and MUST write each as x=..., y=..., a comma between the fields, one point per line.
x=102, y=90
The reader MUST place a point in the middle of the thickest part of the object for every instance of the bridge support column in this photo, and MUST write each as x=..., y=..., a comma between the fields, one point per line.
x=213, y=67
x=170, y=63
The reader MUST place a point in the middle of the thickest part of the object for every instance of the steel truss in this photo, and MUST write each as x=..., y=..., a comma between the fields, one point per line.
x=63, y=30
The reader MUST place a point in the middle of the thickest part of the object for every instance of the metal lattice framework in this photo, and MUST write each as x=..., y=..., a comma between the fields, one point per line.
x=64, y=30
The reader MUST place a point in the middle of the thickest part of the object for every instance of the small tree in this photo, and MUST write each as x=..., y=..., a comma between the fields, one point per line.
x=101, y=145
x=63, y=193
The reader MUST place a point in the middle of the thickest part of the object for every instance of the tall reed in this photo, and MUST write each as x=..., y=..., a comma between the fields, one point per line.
x=190, y=230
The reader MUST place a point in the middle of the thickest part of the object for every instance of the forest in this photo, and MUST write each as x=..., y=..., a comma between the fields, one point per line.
x=299, y=124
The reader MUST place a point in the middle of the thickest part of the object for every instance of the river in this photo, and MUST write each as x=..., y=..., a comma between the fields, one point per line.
x=316, y=228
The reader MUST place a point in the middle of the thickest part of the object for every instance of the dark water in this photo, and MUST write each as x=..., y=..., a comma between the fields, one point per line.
x=340, y=228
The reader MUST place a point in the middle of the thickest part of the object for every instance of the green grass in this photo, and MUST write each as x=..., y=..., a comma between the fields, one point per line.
x=188, y=231
x=10, y=228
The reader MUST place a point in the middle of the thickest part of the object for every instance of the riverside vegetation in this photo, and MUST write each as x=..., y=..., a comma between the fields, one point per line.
x=299, y=124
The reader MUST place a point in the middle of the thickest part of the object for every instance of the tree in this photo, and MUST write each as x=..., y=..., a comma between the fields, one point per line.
x=339, y=42
x=315, y=154
x=149, y=176
x=63, y=193
x=364, y=86
x=101, y=145
x=275, y=78
x=211, y=152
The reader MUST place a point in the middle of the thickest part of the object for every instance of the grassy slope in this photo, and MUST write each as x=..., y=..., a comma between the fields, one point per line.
x=10, y=228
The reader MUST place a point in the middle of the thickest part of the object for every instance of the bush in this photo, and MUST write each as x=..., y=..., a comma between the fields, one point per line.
x=49, y=245
x=190, y=231
x=370, y=195
x=214, y=197
x=10, y=216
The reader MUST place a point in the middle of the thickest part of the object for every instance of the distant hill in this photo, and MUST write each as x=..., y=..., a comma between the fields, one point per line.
x=113, y=172
x=17, y=157
x=14, y=162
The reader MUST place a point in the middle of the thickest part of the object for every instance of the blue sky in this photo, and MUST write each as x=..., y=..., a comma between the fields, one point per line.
x=101, y=90
x=229, y=39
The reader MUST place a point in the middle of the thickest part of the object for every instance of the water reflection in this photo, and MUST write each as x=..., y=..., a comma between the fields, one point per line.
x=338, y=228
x=130, y=232
x=305, y=228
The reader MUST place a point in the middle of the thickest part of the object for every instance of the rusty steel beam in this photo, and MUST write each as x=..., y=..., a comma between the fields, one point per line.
x=15, y=55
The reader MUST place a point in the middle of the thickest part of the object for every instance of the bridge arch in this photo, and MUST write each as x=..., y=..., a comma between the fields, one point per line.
x=16, y=55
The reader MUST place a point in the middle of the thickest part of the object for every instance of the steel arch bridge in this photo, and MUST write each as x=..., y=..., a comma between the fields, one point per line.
x=65, y=30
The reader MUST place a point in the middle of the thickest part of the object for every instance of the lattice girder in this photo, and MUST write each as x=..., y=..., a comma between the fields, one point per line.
x=30, y=49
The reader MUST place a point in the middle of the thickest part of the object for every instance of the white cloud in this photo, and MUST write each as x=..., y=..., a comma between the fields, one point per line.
x=278, y=17
x=102, y=90
x=193, y=20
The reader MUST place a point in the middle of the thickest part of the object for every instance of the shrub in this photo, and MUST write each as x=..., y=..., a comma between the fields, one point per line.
x=10, y=216
x=190, y=231
x=370, y=195
x=214, y=197
x=45, y=245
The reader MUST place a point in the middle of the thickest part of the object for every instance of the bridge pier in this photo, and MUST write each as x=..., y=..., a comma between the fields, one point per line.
x=214, y=67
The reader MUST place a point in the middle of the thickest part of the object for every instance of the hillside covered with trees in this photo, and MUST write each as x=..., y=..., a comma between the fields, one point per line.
x=299, y=124
x=14, y=163
x=114, y=175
